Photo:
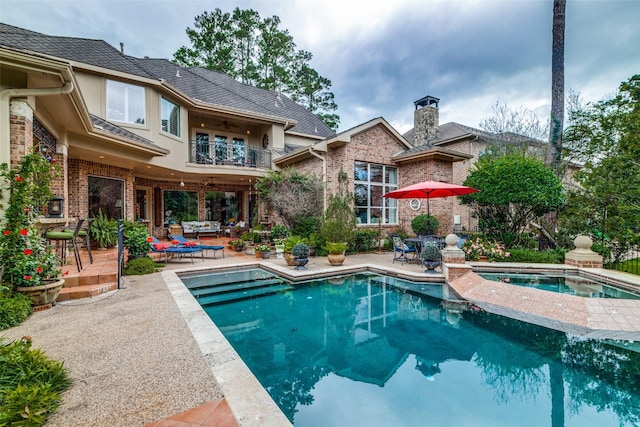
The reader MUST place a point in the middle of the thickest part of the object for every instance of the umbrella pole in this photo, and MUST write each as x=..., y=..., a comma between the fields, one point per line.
x=428, y=218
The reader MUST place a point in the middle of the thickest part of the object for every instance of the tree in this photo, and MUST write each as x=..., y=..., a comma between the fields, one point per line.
x=257, y=52
x=514, y=131
x=607, y=205
x=554, y=153
x=521, y=121
x=292, y=195
x=515, y=190
x=339, y=222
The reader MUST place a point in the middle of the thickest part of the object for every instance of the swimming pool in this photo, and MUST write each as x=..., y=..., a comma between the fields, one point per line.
x=363, y=351
x=562, y=283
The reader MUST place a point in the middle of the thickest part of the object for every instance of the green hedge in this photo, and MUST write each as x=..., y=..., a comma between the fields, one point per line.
x=552, y=256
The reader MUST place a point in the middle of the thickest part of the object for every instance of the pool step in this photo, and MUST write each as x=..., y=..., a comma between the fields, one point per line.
x=200, y=279
x=205, y=290
x=241, y=294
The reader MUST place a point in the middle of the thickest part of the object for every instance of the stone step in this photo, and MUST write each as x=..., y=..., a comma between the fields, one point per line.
x=85, y=291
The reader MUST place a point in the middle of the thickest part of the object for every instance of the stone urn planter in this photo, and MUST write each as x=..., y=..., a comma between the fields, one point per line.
x=300, y=253
x=336, y=252
x=42, y=294
x=289, y=259
x=336, y=259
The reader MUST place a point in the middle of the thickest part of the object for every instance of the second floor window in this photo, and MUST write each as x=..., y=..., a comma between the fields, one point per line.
x=170, y=117
x=125, y=102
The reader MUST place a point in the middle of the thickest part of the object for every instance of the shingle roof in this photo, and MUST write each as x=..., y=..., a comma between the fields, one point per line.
x=198, y=83
x=118, y=131
x=452, y=130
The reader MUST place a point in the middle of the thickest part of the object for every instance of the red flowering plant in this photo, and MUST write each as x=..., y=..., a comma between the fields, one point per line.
x=25, y=258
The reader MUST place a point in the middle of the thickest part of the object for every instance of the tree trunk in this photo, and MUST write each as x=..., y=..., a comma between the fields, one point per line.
x=554, y=153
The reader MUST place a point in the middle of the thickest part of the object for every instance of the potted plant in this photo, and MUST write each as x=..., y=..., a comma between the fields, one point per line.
x=279, y=245
x=314, y=242
x=104, y=231
x=339, y=223
x=300, y=254
x=136, y=240
x=279, y=231
x=289, y=243
x=430, y=256
x=264, y=250
x=27, y=264
x=237, y=244
x=336, y=252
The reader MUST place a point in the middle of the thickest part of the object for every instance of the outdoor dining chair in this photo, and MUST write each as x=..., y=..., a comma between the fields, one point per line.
x=402, y=251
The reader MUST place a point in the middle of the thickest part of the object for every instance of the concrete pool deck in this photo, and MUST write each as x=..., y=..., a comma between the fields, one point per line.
x=145, y=353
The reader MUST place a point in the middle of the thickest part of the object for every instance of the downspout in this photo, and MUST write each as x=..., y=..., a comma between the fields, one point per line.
x=5, y=114
x=324, y=178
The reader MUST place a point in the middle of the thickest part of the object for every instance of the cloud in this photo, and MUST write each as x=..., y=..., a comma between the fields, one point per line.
x=382, y=56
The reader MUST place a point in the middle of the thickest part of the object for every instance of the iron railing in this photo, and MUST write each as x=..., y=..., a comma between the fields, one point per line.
x=231, y=154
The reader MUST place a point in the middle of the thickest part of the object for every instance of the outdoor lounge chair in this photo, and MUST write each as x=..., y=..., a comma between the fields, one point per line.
x=175, y=251
x=183, y=241
x=403, y=252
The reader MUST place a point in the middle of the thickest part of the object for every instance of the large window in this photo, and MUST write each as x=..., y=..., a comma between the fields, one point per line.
x=372, y=181
x=125, y=102
x=106, y=194
x=180, y=206
x=170, y=117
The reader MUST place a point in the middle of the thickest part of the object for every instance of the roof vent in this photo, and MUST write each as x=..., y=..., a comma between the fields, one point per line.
x=178, y=73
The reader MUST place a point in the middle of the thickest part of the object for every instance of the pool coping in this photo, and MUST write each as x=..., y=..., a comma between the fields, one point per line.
x=250, y=402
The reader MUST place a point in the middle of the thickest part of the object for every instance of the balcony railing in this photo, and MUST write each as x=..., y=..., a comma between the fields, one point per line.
x=232, y=154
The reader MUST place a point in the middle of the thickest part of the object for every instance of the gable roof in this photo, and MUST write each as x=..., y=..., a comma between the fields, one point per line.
x=200, y=86
x=453, y=131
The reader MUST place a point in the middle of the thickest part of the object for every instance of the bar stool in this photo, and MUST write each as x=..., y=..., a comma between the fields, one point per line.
x=84, y=235
x=64, y=236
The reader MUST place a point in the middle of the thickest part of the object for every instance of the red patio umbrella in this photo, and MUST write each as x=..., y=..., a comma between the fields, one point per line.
x=430, y=190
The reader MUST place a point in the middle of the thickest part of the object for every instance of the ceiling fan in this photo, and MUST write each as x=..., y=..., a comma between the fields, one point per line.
x=226, y=124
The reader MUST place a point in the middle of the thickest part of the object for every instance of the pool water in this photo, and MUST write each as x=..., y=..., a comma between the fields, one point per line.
x=561, y=283
x=362, y=352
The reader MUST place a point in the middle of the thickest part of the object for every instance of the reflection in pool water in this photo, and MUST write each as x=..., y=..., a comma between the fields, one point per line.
x=560, y=283
x=364, y=353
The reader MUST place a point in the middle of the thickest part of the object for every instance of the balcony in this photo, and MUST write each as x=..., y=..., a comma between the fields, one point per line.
x=229, y=154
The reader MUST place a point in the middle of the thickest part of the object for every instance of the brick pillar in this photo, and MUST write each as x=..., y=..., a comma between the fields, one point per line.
x=20, y=129
x=582, y=256
x=453, y=262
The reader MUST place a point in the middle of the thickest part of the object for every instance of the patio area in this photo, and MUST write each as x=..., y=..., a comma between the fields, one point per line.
x=137, y=355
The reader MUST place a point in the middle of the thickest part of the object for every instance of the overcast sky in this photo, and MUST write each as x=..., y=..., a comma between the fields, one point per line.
x=381, y=55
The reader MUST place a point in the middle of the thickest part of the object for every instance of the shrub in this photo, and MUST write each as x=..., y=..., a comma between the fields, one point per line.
x=279, y=231
x=104, y=230
x=305, y=226
x=430, y=252
x=424, y=224
x=14, y=308
x=136, y=239
x=476, y=247
x=139, y=266
x=551, y=256
x=30, y=384
x=335, y=248
x=365, y=240
x=291, y=241
x=300, y=250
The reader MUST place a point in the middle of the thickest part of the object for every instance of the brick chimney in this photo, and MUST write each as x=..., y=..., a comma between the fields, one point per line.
x=426, y=120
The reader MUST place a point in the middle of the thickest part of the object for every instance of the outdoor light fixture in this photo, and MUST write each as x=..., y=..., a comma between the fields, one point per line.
x=55, y=207
x=181, y=183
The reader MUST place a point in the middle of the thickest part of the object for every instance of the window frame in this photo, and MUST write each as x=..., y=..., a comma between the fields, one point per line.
x=167, y=129
x=131, y=93
x=372, y=181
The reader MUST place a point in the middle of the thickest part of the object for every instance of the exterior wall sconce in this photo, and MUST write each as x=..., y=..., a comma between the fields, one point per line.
x=55, y=207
